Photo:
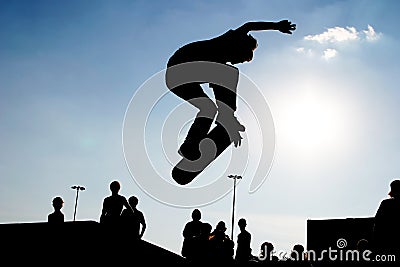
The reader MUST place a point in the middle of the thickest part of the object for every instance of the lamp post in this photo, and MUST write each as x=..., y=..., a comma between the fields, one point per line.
x=77, y=188
x=234, y=177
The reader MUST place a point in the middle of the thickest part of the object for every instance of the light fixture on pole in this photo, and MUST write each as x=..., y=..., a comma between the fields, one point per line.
x=77, y=188
x=234, y=177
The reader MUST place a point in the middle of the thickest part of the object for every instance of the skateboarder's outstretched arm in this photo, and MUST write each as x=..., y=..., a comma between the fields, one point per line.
x=283, y=26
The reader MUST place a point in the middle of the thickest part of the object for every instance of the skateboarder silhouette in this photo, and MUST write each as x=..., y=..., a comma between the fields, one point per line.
x=233, y=47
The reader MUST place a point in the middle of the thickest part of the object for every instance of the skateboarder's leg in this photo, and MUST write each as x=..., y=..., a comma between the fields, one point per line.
x=226, y=99
x=193, y=93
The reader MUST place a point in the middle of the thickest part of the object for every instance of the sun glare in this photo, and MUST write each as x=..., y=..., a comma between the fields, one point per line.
x=310, y=124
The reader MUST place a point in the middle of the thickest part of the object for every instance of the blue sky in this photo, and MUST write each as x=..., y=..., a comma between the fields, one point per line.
x=68, y=71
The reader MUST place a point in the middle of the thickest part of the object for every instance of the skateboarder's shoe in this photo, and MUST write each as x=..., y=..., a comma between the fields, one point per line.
x=185, y=171
x=190, y=150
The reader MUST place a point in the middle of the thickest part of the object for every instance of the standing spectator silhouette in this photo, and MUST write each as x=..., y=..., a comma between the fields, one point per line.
x=221, y=246
x=387, y=220
x=191, y=234
x=57, y=216
x=243, y=249
x=113, y=205
x=134, y=219
x=233, y=47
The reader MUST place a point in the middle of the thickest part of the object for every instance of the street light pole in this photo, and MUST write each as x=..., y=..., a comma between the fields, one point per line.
x=77, y=188
x=234, y=177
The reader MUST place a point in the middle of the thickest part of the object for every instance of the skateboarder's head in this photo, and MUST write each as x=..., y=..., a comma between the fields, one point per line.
x=395, y=189
x=242, y=49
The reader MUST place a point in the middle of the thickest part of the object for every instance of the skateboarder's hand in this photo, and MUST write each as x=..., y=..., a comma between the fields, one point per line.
x=285, y=26
x=236, y=138
x=233, y=128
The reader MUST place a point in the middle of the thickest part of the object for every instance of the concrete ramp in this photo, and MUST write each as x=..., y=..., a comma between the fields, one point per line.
x=81, y=243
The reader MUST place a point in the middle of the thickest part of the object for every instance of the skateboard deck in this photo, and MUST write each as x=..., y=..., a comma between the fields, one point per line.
x=216, y=141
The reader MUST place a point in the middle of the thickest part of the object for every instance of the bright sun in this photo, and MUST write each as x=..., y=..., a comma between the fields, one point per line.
x=311, y=123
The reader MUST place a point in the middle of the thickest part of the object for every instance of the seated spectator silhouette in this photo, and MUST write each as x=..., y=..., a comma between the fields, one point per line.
x=362, y=245
x=386, y=232
x=113, y=205
x=57, y=216
x=202, y=247
x=298, y=256
x=191, y=233
x=243, y=249
x=221, y=246
x=267, y=253
x=134, y=219
x=365, y=254
x=297, y=253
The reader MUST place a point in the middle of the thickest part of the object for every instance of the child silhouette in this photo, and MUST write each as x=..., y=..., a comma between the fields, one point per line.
x=57, y=216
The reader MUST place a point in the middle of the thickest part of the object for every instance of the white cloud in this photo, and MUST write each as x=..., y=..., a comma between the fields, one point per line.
x=340, y=34
x=303, y=50
x=371, y=35
x=329, y=42
x=329, y=53
x=334, y=35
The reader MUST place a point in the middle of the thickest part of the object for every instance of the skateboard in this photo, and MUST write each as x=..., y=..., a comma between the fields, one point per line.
x=216, y=142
